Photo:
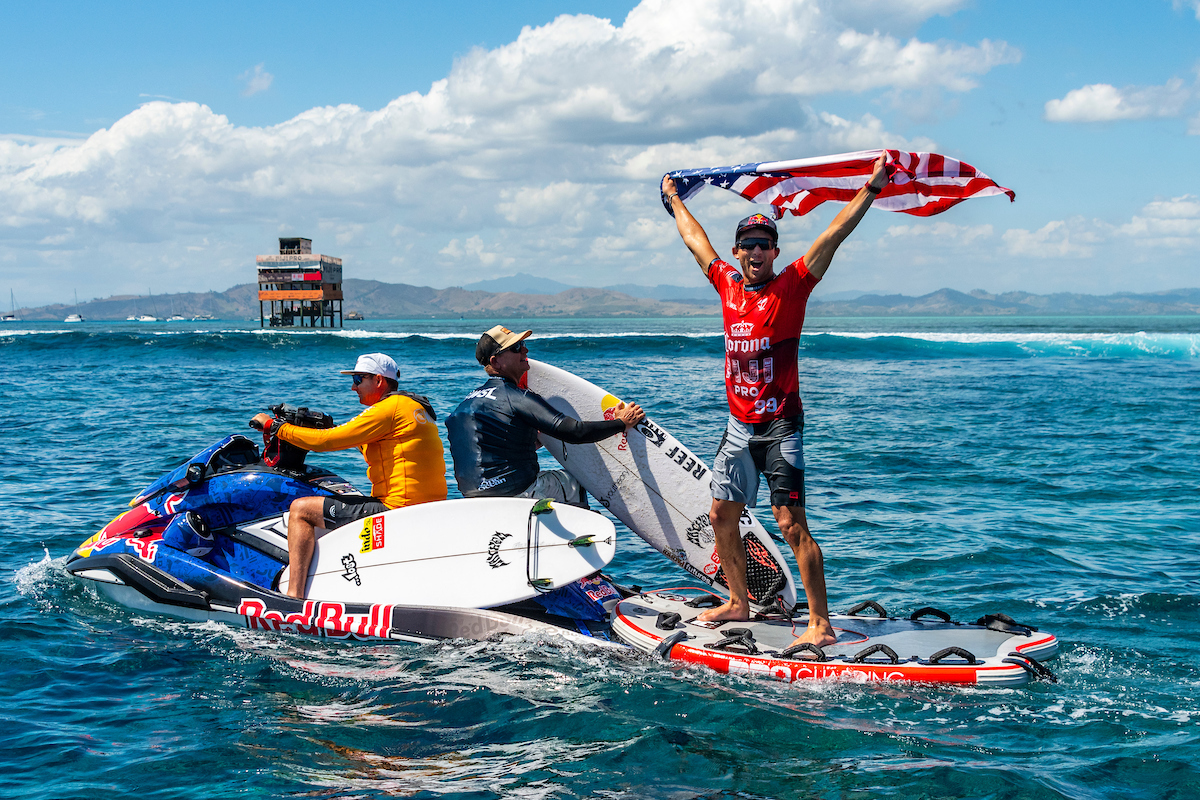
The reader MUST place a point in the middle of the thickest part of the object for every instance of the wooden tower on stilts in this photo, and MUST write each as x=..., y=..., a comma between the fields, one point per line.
x=299, y=288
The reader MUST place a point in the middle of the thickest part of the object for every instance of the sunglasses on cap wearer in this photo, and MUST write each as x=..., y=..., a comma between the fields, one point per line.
x=749, y=244
x=519, y=347
x=358, y=378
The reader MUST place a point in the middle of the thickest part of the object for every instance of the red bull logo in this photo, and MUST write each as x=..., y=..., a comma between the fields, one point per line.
x=119, y=529
x=330, y=620
x=171, y=505
x=100, y=541
x=146, y=546
x=598, y=589
x=609, y=405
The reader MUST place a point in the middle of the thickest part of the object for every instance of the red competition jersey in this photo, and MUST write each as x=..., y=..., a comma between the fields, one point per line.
x=762, y=340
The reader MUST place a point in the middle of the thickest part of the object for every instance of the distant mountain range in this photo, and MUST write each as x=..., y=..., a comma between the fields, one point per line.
x=541, y=297
x=944, y=302
x=947, y=302
x=524, y=283
x=378, y=300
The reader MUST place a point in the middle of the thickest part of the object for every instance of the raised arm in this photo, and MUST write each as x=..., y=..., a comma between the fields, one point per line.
x=693, y=235
x=819, y=256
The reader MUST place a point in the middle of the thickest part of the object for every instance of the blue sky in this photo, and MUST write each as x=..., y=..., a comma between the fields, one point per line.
x=145, y=147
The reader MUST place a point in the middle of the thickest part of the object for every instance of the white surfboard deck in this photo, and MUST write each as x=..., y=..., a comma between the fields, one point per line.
x=656, y=486
x=469, y=553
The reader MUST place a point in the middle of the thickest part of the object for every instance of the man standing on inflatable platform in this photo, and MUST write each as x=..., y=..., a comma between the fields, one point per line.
x=763, y=313
x=493, y=432
x=398, y=437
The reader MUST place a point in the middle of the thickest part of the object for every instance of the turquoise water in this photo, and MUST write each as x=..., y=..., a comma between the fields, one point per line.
x=1046, y=468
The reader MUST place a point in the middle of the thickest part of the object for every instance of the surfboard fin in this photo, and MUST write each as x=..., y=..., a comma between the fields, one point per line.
x=543, y=506
x=582, y=541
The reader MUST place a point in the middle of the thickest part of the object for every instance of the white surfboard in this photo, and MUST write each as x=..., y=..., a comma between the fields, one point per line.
x=656, y=486
x=473, y=553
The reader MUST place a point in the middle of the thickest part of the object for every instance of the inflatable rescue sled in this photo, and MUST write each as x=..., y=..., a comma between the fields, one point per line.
x=926, y=646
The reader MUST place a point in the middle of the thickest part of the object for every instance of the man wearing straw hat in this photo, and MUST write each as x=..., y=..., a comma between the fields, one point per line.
x=493, y=432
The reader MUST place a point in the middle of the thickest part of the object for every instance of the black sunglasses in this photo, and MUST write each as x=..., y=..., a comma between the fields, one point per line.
x=749, y=244
x=359, y=378
x=516, y=348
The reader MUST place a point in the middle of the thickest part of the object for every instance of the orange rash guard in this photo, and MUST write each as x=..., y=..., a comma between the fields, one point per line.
x=405, y=459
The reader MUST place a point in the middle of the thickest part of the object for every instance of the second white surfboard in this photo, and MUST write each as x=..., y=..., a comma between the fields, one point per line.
x=657, y=487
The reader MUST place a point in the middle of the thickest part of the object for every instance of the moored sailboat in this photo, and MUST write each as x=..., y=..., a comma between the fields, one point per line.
x=75, y=316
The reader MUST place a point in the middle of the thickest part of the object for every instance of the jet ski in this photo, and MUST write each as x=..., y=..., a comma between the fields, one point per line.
x=208, y=541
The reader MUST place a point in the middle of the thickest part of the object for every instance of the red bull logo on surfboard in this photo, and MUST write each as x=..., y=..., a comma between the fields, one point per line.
x=609, y=405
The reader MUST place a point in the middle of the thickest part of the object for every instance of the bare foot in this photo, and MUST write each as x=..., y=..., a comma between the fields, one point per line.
x=725, y=611
x=820, y=635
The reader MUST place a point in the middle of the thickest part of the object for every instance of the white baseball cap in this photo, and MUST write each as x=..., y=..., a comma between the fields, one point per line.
x=375, y=364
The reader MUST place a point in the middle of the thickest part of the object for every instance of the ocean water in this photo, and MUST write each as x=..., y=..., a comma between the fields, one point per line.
x=1046, y=468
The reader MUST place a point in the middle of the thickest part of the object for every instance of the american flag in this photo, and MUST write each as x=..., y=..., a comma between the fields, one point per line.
x=922, y=184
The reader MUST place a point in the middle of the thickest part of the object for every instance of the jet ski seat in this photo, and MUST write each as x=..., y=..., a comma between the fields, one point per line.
x=234, y=453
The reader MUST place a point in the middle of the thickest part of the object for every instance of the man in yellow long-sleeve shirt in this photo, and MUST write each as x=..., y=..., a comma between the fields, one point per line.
x=398, y=437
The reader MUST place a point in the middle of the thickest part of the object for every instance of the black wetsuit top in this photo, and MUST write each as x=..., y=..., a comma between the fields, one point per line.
x=493, y=437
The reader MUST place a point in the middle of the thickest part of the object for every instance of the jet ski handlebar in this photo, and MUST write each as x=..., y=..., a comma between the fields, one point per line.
x=277, y=453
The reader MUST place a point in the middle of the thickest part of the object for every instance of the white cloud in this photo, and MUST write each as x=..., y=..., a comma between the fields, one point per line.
x=942, y=234
x=473, y=249
x=344, y=233
x=1056, y=239
x=51, y=143
x=257, y=80
x=1194, y=4
x=568, y=127
x=823, y=133
x=1173, y=224
x=888, y=15
x=563, y=204
x=1101, y=102
x=1185, y=207
x=58, y=239
x=858, y=61
x=635, y=239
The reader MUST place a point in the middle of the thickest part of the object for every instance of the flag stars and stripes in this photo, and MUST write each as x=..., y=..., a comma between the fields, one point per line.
x=922, y=184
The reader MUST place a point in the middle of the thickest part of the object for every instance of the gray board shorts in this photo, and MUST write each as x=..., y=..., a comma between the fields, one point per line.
x=558, y=485
x=775, y=449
